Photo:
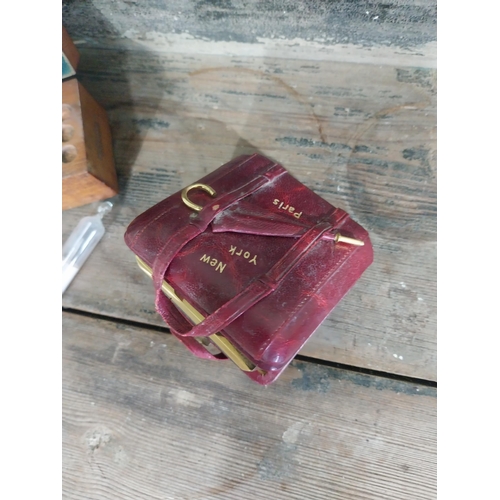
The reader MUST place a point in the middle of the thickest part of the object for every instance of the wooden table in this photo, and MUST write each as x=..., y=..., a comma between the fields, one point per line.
x=355, y=415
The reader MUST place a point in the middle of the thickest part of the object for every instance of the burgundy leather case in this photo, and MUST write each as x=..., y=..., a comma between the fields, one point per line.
x=260, y=261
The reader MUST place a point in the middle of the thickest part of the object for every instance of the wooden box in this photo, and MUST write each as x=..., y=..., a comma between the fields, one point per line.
x=88, y=169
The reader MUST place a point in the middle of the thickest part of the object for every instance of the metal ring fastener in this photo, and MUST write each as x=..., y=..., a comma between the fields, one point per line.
x=188, y=202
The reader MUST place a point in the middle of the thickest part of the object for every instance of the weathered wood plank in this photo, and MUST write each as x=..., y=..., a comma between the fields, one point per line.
x=144, y=419
x=404, y=27
x=361, y=136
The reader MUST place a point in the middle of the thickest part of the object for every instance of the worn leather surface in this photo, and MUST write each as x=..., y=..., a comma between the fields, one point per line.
x=259, y=261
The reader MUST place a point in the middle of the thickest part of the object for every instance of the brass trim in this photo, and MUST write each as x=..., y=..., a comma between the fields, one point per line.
x=188, y=202
x=350, y=241
x=196, y=317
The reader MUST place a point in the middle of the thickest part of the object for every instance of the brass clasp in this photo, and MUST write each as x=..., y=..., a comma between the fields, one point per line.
x=188, y=202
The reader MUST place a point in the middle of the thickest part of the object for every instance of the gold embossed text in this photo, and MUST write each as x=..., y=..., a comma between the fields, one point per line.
x=246, y=254
x=217, y=264
x=287, y=208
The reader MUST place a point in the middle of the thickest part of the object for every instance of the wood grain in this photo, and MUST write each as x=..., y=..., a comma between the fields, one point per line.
x=403, y=25
x=363, y=136
x=144, y=419
x=88, y=168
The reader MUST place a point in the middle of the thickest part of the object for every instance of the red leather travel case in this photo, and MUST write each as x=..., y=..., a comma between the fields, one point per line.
x=248, y=260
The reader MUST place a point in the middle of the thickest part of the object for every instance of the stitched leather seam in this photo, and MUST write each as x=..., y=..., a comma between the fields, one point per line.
x=308, y=297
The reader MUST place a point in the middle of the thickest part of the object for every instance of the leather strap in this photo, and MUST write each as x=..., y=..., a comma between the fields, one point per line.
x=201, y=220
x=176, y=242
x=243, y=301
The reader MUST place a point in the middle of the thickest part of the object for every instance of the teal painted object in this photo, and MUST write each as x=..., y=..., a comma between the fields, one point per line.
x=67, y=69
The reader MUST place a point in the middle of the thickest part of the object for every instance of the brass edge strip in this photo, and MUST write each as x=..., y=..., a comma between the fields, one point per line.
x=196, y=317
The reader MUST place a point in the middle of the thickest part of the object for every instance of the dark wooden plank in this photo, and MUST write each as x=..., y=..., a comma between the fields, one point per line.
x=360, y=135
x=404, y=25
x=142, y=418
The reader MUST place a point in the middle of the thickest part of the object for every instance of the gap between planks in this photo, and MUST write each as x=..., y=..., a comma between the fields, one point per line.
x=299, y=357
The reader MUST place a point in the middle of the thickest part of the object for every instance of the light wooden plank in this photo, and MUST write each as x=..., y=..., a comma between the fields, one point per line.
x=361, y=136
x=142, y=418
